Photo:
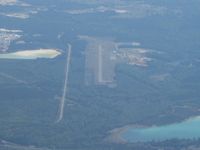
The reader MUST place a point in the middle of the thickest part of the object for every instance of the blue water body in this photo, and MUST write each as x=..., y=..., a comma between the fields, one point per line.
x=189, y=129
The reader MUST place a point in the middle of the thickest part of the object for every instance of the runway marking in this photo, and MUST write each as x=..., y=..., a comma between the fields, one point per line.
x=100, y=76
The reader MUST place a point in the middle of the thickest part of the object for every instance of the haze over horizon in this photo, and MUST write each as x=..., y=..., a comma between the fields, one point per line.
x=99, y=75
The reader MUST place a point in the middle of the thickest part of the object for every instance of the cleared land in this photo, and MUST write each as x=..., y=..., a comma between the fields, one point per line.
x=7, y=37
x=63, y=98
x=31, y=54
x=103, y=54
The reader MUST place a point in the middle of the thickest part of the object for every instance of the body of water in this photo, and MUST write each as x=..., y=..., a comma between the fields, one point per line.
x=189, y=129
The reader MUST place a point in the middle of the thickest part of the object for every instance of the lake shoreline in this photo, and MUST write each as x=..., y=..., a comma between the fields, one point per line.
x=117, y=135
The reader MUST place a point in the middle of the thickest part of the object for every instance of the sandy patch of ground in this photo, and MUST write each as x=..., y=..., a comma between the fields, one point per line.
x=31, y=54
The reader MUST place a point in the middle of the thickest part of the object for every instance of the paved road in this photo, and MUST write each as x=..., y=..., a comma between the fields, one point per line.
x=63, y=98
